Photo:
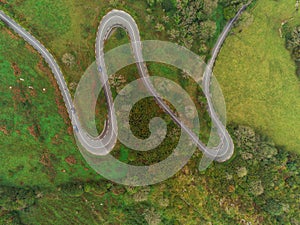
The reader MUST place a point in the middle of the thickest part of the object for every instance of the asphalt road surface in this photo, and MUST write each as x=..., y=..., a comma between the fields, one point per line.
x=105, y=143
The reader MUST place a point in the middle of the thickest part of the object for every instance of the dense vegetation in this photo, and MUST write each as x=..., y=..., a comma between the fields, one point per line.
x=194, y=24
x=259, y=186
x=292, y=36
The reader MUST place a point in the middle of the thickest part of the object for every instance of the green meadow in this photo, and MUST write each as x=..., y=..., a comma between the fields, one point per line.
x=258, y=77
x=37, y=143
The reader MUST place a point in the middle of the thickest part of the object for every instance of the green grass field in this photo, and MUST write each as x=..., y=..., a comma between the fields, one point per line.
x=36, y=137
x=258, y=76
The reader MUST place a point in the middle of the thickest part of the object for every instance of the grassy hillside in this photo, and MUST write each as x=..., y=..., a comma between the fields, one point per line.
x=258, y=186
x=37, y=145
x=258, y=77
x=44, y=179
x=46, y=135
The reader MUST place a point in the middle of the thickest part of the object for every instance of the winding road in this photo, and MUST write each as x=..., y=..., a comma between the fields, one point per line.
x=104, y=144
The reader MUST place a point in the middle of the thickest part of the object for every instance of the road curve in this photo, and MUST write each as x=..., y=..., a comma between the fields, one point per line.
x=226, y=146
x=104, y=144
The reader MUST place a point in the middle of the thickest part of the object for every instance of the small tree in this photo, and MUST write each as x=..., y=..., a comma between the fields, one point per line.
x=151, y=3
x=152, y=217
x=296, y=53
x=208, y=29
x=120, y=34
x=68, y=59
x=256, y=188
x=114, y=3
x=159, y=27
x=273, y=207
x=242, y=171
x=168, y=5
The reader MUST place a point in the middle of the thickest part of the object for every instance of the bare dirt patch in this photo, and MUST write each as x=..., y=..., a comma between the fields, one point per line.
x=33, y=92
x=71, y=160
x=30, y=48
x=11, y=34
x=4, y=130
x=16, y=68
x=45, y=160
x=18, y=96
x=34, y=131
x=56, y=140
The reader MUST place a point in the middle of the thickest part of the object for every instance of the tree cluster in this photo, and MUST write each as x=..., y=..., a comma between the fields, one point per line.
x=263, y=175
x=292, y=42
x=194, y=24
x=231, y=7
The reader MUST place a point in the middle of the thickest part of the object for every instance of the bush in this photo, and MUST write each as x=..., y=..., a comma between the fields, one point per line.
x=151, y=3
x=292, y=43
x=229, y=12
x=242, y=171
x=296, y=53
x=298, y=69
x=120, y=34
x=168, y=5
x=273, y=207
x=10, y=218
x=13, y=199
x=256, y=188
